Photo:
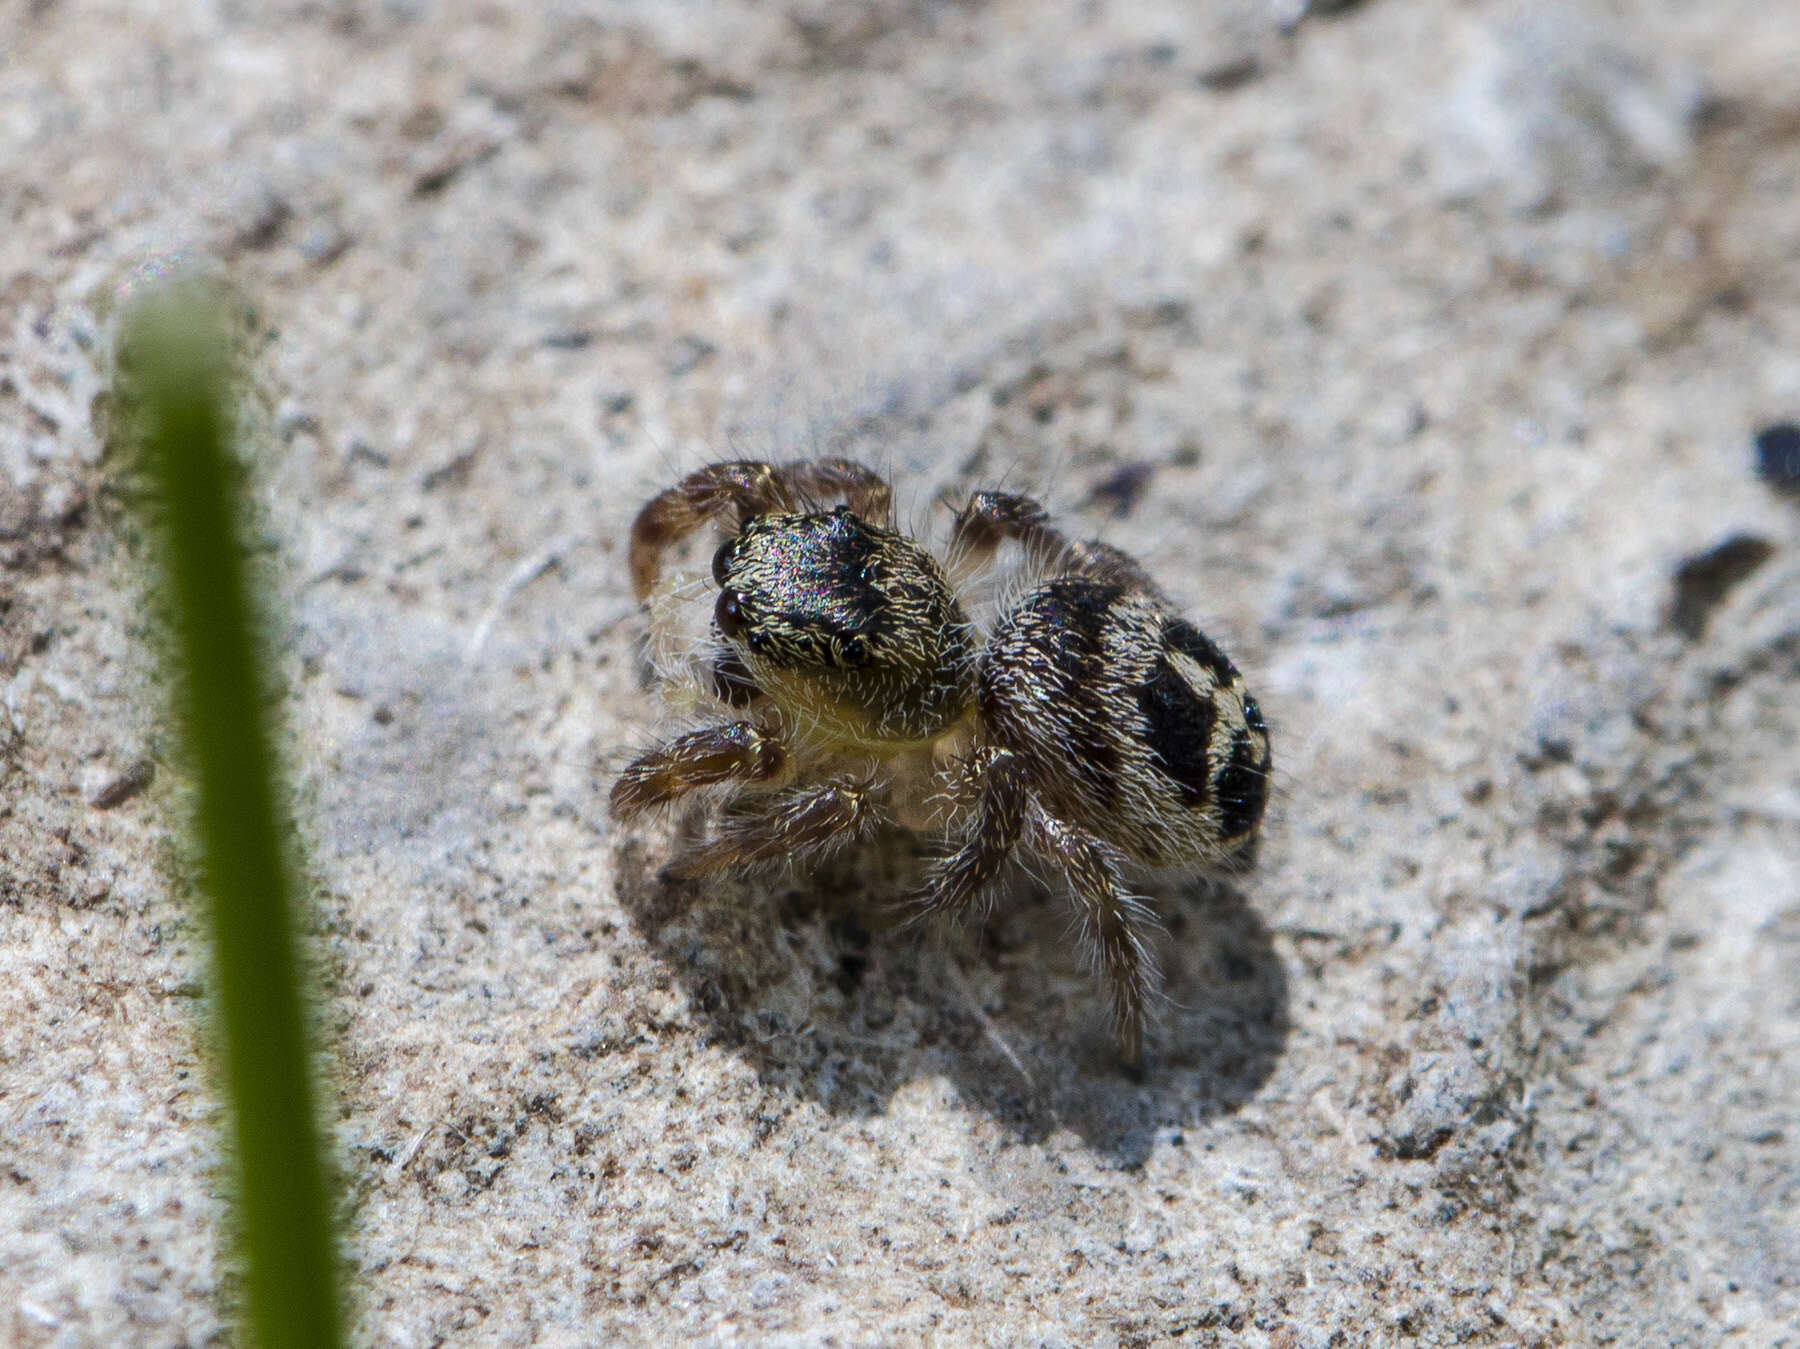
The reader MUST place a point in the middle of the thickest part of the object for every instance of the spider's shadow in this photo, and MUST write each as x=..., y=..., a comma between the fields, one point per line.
x=812, y=983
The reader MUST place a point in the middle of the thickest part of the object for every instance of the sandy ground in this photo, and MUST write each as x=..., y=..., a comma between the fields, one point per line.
x=1418, y=348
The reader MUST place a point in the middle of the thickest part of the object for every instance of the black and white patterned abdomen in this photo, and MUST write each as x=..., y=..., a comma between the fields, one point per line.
x=1131, y=720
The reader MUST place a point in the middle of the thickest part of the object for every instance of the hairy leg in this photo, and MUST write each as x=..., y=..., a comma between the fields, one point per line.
x=958, y=880
x=991, y=518
x=746, y=487
x=737, y=751
x=793, y=824
x=1113, y=920
x=1103, y=562
x=861, y=488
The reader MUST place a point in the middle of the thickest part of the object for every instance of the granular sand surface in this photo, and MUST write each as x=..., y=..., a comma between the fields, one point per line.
x=1418, y=349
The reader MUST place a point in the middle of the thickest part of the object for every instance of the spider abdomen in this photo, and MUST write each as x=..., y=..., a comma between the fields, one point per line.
x=1131, y=721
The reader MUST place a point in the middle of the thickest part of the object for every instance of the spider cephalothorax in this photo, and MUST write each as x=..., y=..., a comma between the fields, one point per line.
x=845, y=622
x=1092, y=727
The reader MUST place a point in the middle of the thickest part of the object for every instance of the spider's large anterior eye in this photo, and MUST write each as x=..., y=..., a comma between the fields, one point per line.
x=722, y=561
x=728, y=613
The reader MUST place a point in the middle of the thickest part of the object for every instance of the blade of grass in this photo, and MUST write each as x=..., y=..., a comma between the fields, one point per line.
x=174, y=361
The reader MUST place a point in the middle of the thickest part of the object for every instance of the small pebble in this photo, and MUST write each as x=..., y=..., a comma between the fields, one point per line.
x=1704, y=580
x=1778, y=456
x=125, y=786
x=1121, y=490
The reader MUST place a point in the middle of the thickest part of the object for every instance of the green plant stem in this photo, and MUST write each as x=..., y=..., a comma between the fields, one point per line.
x=175, y=360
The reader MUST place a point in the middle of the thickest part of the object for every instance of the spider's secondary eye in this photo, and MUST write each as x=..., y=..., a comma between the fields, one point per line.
x=1253, y=716
x=721, y=565
x=728, y=613
x=856, y=651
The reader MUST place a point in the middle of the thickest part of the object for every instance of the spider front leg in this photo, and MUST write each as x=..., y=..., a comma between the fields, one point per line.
x=745, y=487
x=796, y=823
x=861, y=488
x=738, y=751
x=1112, y=919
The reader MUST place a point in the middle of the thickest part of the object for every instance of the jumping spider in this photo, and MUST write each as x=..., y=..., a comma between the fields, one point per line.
x=1089, y=725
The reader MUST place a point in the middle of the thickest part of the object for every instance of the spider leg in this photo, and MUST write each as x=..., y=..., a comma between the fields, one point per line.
x=991, y=518
x=745, y=487
x=796, y=823
x=1103, y=562
x=1114, y=921
x=958, y=880
x=737, y=751
x=857, y=485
